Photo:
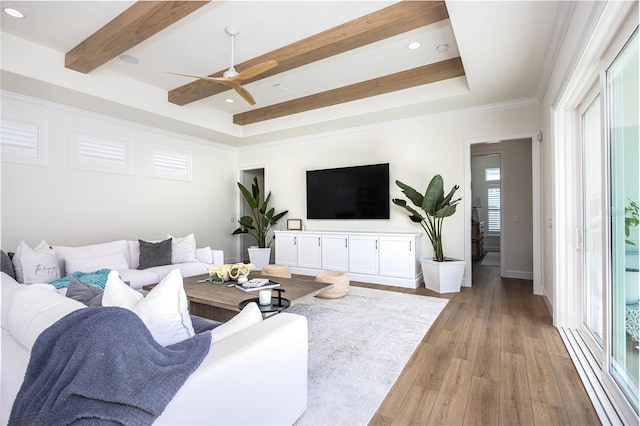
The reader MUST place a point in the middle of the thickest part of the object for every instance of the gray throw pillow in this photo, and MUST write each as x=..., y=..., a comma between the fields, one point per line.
x=154, y=254
x=84, y=292
x=203, y=324
x=7, y=265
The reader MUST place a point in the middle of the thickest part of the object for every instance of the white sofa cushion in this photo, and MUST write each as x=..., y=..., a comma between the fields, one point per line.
x=35, y=265
x=134, y=254
x=35, y=308
x=165, y=310
x=89, y=264
x=183, y=249
x=93, y=250
x=249, y=316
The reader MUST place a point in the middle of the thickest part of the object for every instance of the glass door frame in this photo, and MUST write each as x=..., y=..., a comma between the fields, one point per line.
x=594, y=346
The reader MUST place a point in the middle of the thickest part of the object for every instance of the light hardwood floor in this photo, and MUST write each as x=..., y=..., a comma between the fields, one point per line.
x=492, y=357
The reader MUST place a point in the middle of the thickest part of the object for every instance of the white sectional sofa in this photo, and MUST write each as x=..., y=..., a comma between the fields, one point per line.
x=255, y=372
x=123, y=256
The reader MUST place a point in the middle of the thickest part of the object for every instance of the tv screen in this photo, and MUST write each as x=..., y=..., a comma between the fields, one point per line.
x=360, y=192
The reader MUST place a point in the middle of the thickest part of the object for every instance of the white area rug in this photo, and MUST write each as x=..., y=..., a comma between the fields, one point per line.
x=358, y=346
x=492, y=258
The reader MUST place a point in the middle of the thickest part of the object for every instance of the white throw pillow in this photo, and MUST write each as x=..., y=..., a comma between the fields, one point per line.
x=94, y=263
x=35, y=265
x=183, y=249
x=165, y=310
x=204, y=255
x=249, y=316
x=117, y=293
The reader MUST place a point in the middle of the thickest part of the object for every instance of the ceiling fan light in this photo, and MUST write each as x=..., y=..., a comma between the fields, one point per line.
x=231, y=72
x=13, y=12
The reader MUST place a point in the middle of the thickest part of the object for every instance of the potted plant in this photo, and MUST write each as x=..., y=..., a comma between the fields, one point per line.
x=441, y=274
x=258, y=224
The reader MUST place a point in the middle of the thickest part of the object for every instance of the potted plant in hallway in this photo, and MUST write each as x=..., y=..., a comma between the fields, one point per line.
x=258, y=224
x=441, y=274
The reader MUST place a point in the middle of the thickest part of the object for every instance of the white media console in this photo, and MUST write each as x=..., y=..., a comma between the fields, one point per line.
x=378, y=258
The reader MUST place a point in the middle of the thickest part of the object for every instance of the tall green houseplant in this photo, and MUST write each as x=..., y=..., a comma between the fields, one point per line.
x=436, y=207
x=262, y=217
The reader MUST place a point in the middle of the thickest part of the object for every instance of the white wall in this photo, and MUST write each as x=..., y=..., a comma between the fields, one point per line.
x=415, y=150
x=70, y=207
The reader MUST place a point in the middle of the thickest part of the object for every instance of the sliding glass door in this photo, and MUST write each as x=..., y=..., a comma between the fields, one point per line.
x=624, y=180
x=592, y=240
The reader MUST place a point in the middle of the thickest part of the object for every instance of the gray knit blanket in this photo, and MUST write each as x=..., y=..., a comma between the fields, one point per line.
x=101, y=365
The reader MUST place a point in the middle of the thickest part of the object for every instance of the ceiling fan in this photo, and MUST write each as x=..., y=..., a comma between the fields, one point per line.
x=231, y=77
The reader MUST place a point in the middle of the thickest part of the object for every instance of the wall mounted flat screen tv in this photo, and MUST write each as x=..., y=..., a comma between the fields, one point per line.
x=360, y=192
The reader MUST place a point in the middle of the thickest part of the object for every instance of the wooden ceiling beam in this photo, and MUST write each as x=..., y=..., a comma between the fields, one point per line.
x=136, y=24
x=390, y=21
x=426, y=74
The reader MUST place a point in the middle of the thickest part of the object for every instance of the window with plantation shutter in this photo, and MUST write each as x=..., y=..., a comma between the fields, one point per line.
x=493, y=207
x=100, y=153
x=23, y=141
x=169, y=163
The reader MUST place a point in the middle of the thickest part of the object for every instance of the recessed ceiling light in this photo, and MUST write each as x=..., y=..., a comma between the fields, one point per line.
x=442, y=47
x=129, y=59
x=280, y=87
x=414, y=45
x=13, y=12
x=229, y=100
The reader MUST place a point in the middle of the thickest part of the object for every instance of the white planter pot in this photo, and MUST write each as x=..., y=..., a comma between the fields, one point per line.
x=443, y=277
x=259, y=256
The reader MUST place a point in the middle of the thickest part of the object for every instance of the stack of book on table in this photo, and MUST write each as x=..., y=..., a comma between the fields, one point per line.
x=255, y=284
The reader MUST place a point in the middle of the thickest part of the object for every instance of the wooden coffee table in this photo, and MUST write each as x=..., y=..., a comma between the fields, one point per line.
x=220, y=303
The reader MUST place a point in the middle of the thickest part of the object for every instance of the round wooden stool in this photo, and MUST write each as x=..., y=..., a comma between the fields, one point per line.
x=282, y=271
x=340, y=281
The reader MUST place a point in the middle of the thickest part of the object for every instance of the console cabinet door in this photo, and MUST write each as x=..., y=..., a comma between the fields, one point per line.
x=335, y=252
x=397, y=257
x=286, y=248
x=309, y=251
x=363, y=254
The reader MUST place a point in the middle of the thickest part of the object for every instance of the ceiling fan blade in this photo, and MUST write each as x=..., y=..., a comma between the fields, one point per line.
x=255, y=70
x=241, y=91
x=218, y=79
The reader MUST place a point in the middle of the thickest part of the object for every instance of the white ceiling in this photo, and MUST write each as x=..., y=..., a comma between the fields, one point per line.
x=507, y=49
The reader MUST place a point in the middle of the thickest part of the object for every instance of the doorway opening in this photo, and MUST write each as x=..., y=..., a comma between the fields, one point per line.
x=525, y=263
x=246, y=176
